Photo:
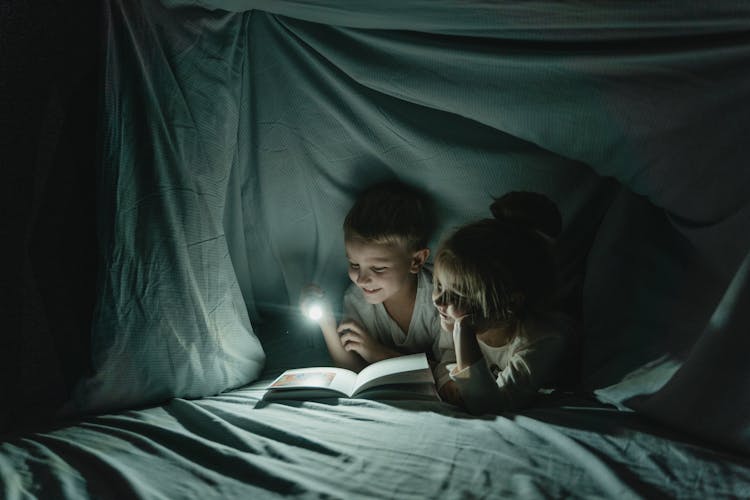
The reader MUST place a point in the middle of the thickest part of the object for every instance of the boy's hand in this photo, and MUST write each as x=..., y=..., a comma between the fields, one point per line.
x=313, y=295
x=354, y=338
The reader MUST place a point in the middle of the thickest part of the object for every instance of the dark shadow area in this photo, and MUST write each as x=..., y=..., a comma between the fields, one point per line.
x=49, y=94
x=583, y=413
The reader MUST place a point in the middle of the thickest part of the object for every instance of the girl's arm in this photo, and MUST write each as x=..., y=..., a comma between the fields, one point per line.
x=466, y=344
x=531, y=365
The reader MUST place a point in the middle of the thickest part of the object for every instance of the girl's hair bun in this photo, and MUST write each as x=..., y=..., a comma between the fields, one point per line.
x=530, y=210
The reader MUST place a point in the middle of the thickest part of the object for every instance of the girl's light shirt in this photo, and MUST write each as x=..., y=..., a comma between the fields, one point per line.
x=510, y=376
x=424, y=334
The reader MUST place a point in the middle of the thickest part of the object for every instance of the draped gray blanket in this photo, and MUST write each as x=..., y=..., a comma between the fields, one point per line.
x=237, y=133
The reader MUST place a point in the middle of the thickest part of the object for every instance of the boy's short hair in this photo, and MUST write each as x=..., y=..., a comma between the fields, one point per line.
x=390, y=212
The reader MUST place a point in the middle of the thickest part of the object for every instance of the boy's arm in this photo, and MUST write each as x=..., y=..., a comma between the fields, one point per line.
x=341, y=357
x=314, y=295
x=355, y=338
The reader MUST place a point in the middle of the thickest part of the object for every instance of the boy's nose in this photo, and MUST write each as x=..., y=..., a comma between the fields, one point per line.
x=363, y=277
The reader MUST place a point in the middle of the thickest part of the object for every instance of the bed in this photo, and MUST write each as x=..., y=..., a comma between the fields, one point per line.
x=234, y=136
x=236, y=446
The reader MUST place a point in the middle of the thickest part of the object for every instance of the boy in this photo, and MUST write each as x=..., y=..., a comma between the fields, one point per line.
x=387, y=310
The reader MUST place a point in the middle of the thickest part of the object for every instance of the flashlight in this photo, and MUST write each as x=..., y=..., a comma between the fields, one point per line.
x=315, y=311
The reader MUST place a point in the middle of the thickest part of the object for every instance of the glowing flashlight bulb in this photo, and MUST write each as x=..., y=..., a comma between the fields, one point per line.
x=315, y=312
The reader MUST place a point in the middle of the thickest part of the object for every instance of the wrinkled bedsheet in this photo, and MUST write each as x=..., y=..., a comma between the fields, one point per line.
x=236, y=446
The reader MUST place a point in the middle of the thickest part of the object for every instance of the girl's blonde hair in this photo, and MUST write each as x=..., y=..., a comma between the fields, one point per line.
x=504, y=268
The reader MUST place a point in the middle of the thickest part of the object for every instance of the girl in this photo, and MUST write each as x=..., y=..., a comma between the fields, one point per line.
x=494, y=285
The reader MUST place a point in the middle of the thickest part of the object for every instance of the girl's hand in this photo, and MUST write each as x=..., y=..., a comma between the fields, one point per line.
x=354, y=338
x=449, y=393
x=313, y=295
x=470, y=324
x=465, y=330
x=464, y=325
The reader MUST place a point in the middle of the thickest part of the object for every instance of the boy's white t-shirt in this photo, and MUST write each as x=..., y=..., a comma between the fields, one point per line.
x=424, y=333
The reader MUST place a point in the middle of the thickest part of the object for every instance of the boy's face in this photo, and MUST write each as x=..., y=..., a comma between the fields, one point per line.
x=381, y=271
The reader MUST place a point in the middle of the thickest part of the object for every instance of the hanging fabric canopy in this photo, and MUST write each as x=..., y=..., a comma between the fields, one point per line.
x=237, y=134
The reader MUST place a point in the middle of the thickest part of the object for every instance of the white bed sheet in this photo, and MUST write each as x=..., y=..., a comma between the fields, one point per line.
x=235, y=446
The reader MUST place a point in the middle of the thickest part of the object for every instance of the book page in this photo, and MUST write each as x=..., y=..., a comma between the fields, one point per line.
x=321, y=377
x=412, y=368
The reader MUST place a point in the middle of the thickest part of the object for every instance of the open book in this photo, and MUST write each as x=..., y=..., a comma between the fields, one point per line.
x=404, y=377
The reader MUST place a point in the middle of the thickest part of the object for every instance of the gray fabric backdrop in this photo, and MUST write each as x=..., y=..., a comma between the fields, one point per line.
x=236, y=141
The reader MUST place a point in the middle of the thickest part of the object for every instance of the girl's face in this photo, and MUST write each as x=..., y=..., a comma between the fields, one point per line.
x=381, y=271
x=448, y=300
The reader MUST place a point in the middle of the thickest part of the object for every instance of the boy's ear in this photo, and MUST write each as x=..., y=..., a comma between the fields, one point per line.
x=418, y=260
